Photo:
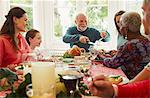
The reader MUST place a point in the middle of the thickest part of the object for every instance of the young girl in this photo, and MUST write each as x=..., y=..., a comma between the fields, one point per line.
x=33, y=38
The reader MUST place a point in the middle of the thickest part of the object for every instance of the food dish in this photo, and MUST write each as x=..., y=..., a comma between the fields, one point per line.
x=74, y=51
x=83, y=89
x=117, y=79
x=68, y=60
x=26, y=69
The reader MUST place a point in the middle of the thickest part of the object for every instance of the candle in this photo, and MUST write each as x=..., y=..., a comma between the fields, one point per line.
x=43, y=79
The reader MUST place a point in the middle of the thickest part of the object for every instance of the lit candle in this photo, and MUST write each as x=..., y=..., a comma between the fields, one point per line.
x=43, y=79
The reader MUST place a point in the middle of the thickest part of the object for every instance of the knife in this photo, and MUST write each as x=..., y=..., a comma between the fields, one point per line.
x=91, y=43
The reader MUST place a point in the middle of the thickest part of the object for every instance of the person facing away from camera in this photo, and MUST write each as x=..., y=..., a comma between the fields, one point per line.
x=135, y=53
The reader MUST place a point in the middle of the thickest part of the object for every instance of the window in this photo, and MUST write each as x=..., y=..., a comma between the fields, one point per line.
x=27, y=6
x=65, y=10
x=53, y=17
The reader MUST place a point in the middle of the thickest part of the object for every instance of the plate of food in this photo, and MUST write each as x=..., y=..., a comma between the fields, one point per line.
x=68, y=60
x=26, y=68
x=117, y=79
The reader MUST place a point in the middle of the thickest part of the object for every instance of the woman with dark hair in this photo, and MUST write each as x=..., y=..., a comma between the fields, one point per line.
x=12, y=43
x=120, y=40
x=33, y=37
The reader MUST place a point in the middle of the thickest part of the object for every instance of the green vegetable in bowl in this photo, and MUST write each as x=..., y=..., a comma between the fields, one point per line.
x=83, y=89
x=67, y=56
x=21, y=67
x=118, y=76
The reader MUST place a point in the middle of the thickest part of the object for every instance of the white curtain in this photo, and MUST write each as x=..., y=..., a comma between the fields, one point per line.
x=43, y=20
x=113, y=7
x=4, y=8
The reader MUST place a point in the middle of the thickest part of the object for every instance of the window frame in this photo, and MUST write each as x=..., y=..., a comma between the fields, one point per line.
x=45, y=25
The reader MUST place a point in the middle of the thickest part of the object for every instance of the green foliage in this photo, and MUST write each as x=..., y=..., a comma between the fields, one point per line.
x=6, y=73
x=21, y=91
x=66, y=55
x=96, y=11
x=27, y=8
x=58, y=30
x=116, y=77
x=10, y=76
x=21, y=1
x=96, y=15
x=62, y=95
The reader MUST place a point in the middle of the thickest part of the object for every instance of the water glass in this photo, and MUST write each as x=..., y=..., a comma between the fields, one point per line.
x=27, y=58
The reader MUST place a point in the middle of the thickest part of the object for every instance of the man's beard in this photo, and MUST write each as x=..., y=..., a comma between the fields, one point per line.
x=82, y=28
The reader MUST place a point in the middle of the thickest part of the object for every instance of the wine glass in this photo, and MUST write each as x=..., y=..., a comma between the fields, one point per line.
x=93, y=53
x=70, y=82
x=27, y=58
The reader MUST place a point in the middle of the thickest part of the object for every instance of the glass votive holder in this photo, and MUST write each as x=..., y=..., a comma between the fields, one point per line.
x=40, y=93
x=43, y=79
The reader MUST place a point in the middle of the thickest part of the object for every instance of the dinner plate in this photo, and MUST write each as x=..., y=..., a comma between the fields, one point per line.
x=124, y=81
x=68, y=60
x=75, y=68
x=26, y=69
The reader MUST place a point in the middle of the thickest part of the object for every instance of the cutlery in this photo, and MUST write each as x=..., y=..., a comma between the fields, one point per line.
x=91, y=43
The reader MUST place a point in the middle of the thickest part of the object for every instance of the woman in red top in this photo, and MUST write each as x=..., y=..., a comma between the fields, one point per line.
x=12, y=43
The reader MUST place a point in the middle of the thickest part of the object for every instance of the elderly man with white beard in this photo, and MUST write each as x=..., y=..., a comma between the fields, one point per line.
x=81, y=34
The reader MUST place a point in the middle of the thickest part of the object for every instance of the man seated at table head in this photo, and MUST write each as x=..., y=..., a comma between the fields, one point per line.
x=81, y=34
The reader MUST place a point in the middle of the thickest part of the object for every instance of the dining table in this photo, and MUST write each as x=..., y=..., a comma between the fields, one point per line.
x=96, y=68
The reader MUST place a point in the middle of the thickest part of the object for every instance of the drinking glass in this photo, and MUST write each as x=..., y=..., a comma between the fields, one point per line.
x=27, y=58
x=93, y=53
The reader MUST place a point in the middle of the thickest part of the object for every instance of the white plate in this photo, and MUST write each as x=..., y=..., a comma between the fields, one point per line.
x=75, y=68
x=68, y=60
x=25, y=69
x=125, y=79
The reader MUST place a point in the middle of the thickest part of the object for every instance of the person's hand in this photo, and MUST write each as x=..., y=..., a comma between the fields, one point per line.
x=103, y=34
x=101, y=55
x=84, y=39
x=101, y=87
x=20, y=78
x=12, y=67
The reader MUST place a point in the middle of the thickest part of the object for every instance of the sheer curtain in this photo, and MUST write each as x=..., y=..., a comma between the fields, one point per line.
x=4, y=8
x=43, y=16
x=43, y=20
x=114, y=6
